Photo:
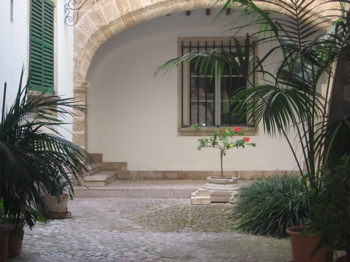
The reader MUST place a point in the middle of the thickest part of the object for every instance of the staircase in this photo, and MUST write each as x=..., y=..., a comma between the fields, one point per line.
x=103, y=173
x=112, y=180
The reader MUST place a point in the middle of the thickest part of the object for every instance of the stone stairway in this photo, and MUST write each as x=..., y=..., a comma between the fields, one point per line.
x=155, y=188
x=112, y=180
x=103, y=173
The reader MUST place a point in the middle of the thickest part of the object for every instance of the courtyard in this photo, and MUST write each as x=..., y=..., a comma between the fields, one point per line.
x=147, y=229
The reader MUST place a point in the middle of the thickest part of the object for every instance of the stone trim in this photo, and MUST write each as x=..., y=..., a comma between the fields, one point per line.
x=194, y=175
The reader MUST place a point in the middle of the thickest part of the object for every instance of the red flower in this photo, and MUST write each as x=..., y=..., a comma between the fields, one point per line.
x=246, y=139
x=237, y=129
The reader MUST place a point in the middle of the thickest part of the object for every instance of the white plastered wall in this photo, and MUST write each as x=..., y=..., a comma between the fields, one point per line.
x=14, y=51
x=64, y=61
x=133, y=115
x=14, y=45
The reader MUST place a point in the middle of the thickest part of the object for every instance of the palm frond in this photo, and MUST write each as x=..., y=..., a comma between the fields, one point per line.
x=33, y=152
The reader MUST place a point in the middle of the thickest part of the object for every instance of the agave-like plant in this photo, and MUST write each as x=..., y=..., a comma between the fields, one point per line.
x=33, y=153
x=312, y=38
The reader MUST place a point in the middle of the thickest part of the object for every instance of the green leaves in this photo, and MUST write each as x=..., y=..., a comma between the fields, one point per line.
x=330, y=208
x=33, y=153
x=268, y=207
x=223, y=141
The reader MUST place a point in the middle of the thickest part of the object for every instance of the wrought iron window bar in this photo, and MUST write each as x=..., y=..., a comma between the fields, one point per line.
x=197, y=47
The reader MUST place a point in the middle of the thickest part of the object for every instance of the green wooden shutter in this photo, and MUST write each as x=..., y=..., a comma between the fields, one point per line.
x=41, y=51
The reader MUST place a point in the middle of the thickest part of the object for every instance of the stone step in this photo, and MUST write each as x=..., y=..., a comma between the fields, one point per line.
x=142, y=189
x=101, y=178
x=97, y=167
x=93, y=169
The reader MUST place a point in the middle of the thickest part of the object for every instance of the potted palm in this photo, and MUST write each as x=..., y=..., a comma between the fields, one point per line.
x=5, y=229
x=56, y=199
x=16, y=233
x=292, y=97
x=32, y=150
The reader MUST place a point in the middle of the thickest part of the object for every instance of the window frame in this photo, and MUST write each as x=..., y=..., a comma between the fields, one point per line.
x=183, y=83
x=41, y=46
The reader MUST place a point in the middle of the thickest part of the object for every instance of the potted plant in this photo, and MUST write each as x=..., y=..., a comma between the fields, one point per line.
x=222, y=188
x=56, y=199
x=331, y=206
x=16, y=233
x=314, y=50
x=5, y=229
x=32, y=150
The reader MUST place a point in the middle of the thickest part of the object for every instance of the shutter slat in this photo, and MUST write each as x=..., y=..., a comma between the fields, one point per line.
x=42, y=45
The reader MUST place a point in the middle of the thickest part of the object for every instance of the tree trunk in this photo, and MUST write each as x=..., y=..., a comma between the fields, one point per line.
x=340, y=98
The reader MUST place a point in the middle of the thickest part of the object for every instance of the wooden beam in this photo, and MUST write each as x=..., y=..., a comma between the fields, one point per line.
x=188, y=13
x=207, y=11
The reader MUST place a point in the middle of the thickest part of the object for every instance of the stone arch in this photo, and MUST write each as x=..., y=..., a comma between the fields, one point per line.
x=98, y=21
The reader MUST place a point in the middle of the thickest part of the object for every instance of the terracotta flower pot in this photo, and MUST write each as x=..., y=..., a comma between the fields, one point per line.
x=15, y=243
x=4, y=236
x=303, y=246
x=53, y=206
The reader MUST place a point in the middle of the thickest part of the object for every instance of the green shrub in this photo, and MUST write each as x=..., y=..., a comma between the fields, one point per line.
x=268, y=207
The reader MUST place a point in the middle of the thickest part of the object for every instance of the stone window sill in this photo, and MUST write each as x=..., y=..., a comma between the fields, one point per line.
x=207, y=131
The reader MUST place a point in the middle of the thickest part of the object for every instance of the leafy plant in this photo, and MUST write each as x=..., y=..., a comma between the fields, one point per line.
x=61, y=187
x=268, y=207
x=33, y=152
x=17, y=230
x=331, y=205
x=223, y=141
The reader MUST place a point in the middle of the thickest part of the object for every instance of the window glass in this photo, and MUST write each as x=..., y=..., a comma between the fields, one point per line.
x=205, y=99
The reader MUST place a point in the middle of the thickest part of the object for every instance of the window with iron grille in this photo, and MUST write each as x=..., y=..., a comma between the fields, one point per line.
x=41, y=47
x=205, y=100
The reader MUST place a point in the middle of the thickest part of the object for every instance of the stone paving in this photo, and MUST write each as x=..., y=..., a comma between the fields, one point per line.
x=126, y=229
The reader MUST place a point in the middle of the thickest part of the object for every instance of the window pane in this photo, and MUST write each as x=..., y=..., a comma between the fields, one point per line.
x=202, y=93
x=202, y=113
x=228, y=87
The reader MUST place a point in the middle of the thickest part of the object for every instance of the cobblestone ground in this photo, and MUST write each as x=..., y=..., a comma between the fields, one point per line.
x=146, y=230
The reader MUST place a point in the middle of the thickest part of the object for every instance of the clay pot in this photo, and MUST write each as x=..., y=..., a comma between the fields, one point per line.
x=53, y=206
x=303, y=246
x=15, y=243
x=4, y=236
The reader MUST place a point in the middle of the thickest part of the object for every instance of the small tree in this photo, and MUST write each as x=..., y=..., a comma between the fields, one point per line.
x=223, y=141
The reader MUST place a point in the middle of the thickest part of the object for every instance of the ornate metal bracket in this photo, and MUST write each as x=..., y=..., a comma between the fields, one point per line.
x=72, y=9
